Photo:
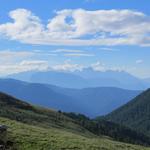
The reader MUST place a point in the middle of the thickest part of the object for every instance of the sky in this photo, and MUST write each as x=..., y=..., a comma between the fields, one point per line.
x=73, y=34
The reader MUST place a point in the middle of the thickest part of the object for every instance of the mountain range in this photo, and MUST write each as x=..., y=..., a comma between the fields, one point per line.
x=88, y=77
x=89, y=101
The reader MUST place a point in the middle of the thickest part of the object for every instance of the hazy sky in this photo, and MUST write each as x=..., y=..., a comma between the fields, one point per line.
x=71, y=34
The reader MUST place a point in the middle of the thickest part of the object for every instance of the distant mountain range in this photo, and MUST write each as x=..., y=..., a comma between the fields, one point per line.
x=147, y=80
x=135, y=114
x=85, y=78
x=89, y=101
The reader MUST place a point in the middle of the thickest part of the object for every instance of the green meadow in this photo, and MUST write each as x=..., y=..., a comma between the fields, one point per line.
x=28, y=137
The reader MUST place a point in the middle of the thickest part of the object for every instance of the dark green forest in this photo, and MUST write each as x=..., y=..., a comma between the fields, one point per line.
x=135, y=114
x=116, y=131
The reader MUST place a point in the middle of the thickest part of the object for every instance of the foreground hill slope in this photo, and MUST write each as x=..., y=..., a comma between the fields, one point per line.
x=28, y=137
x=135, y=114
x=15, y=109
x=89, y=101
x=31, y=127
x=46, y=129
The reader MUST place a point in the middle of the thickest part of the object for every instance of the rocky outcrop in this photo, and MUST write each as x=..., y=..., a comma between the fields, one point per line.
x=5, y=144
x=3, y=137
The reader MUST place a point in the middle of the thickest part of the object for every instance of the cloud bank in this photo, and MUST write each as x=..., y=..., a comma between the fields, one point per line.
x=80, y=27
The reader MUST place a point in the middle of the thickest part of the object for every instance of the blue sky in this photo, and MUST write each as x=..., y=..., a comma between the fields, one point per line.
x=72, y=34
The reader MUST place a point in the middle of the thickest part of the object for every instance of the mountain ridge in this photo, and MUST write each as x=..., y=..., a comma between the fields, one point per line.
x=105, y=99
x=134, y=114
x=88, y=77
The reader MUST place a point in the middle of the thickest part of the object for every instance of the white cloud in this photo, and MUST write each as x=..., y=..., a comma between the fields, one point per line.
x=139, y=61
x=25, y=26
x=9, y=68
x=9, y=54
x=18, y=61
x=67, y=51
x=67, y=66
x=98, y=66
x=80, y=27
x=33, y=62
x=79, y=55
x=41, y=65
x=108, y=49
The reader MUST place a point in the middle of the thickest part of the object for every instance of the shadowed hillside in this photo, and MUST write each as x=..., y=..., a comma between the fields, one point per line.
x=135, y=114
x=21, y=111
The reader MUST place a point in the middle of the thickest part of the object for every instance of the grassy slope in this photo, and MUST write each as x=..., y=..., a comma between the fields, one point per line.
x=28, y=137
x=34, y=128
x=15, y=109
